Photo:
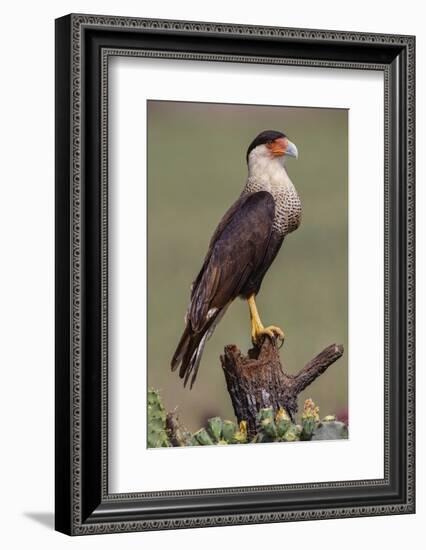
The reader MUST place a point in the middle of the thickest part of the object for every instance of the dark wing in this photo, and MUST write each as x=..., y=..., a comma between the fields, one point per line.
x=229, y=214
x=237, y=250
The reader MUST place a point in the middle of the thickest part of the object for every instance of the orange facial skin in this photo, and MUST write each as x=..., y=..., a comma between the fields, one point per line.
x=278, y=147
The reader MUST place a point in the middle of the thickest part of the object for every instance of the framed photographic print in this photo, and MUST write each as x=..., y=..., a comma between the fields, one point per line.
x=234, y=274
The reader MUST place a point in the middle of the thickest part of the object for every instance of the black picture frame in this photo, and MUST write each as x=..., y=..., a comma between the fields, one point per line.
x=83, y=45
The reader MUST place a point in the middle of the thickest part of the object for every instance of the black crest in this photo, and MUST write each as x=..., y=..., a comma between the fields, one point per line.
x=267, y=136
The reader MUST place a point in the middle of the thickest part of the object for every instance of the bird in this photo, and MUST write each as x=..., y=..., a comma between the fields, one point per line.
x=241, y=250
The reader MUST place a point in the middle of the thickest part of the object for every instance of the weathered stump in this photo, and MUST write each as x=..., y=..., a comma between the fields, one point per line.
x=258, y=380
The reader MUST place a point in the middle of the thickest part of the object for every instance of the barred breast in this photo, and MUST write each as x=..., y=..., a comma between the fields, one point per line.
x=288, y=208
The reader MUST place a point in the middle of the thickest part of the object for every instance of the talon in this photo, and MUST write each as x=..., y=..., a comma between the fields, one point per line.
x=277, y=331
x=272, y=331
x=258, y=331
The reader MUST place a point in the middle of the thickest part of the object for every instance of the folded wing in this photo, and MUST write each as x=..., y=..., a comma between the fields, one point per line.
x=236, y=254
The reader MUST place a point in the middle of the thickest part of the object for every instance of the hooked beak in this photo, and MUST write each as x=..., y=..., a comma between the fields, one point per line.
x=291, y=150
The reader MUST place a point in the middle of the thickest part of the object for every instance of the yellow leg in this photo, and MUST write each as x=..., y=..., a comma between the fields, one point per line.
x=257, y=328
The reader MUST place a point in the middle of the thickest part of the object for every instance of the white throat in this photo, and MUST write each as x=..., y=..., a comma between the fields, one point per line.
x=267, y=171
x=269, y=174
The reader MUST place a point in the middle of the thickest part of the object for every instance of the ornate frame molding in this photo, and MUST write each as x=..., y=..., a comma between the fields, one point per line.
x=84, y=508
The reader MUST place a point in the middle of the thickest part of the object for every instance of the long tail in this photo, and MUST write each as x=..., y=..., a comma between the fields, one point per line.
x=191, y=346
x=189, y=351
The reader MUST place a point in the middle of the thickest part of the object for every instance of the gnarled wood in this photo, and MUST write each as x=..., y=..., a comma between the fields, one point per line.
x=258, y=380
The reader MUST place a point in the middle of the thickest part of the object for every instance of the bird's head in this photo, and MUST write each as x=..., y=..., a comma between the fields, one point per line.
x=271, y=145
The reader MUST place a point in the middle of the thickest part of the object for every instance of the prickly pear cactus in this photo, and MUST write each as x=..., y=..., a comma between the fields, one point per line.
x=157, y=435
x=220, y=432
x=310, y=419
x=276, y=427
x=271, y=427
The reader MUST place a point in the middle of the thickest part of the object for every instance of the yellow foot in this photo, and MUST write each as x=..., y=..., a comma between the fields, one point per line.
x=272, y=331
x=258, y=331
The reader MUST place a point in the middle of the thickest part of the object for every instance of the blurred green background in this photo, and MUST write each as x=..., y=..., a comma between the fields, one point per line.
x=196, y=170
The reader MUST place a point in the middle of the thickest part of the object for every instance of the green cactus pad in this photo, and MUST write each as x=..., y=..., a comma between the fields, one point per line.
x=203, y=438
x=308, y=427
x=157, y=434
x=282, y=422
x=293, y=433
x=229, y=430
x=214, y=428
x=265, y=414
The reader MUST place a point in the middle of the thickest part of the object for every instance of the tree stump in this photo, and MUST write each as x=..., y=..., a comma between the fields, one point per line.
x=258, y=380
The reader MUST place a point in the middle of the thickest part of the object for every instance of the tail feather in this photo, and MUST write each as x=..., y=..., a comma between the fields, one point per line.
x=181, y=348
x=191, y=346
x=188, y=354
x=191, y=364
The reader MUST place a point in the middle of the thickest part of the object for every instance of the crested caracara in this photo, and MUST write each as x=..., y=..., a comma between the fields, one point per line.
x=241, y=250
